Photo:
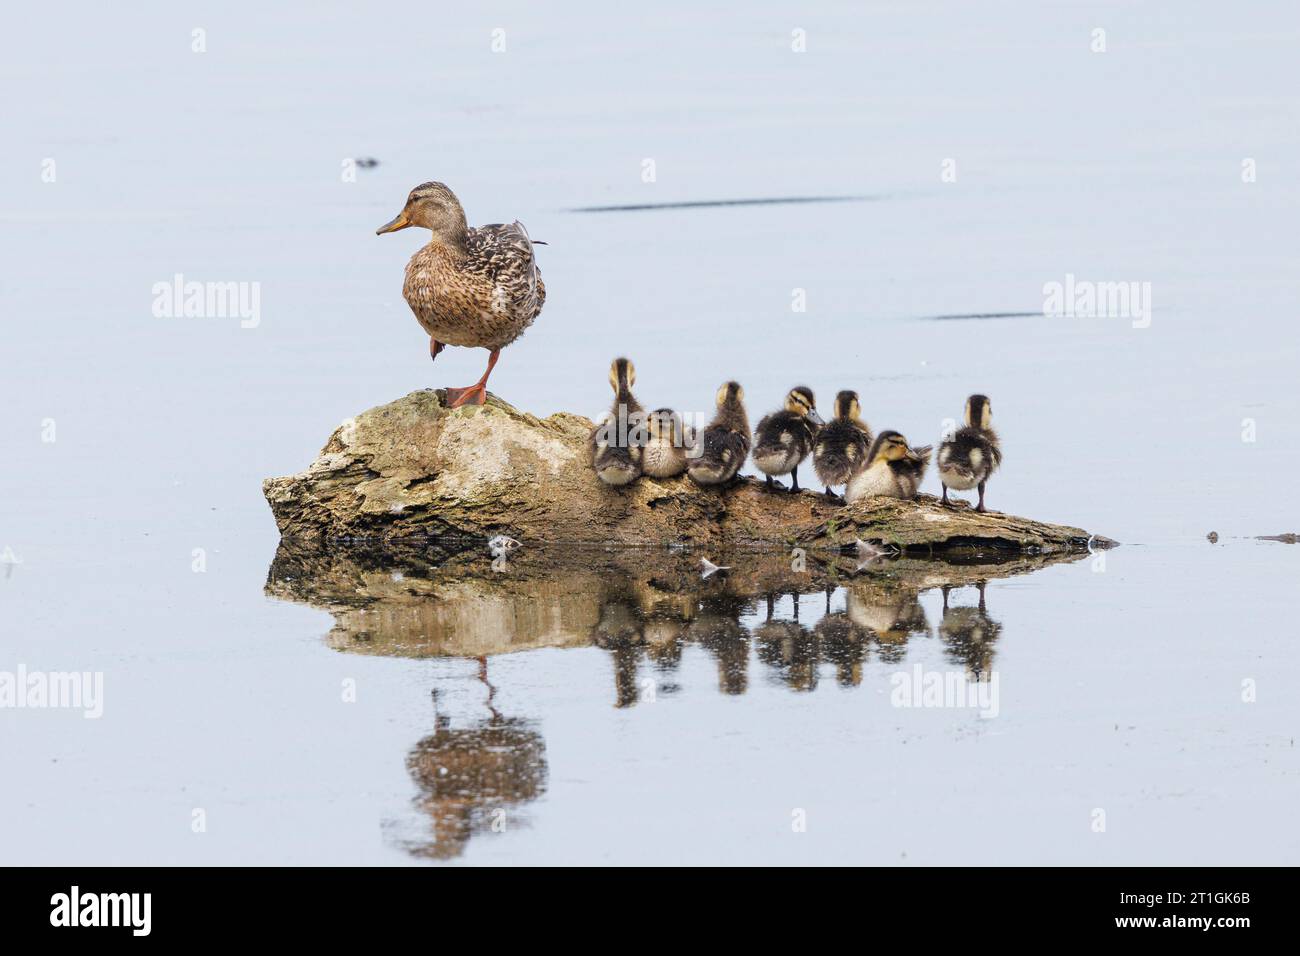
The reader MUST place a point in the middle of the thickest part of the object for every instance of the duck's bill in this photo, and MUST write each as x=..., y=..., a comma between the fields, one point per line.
x=814, y=417
x=398, y=222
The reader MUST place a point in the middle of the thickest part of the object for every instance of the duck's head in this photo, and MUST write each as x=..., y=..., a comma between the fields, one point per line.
x=979, y=412
x=846, y=405
x=622, y=375
x=664, y=423
x=432, y=206
x=800, y=401
x=891, y=446
x=729, y=394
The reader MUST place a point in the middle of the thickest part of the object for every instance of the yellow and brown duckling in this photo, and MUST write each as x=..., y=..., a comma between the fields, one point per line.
x=616, y=443
x=476, y=288
x=842, y=444
x=892, y=469
x=784, y=439
x=668, y=438
x=723, y=446
x=973, y=453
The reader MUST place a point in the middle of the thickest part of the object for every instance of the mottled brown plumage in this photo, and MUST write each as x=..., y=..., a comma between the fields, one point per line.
x=477, y=288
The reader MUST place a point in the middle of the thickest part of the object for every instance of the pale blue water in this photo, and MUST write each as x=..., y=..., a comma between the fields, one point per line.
x=225, y=165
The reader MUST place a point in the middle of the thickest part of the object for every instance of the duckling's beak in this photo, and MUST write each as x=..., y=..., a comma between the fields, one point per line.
x=912, y=456
x=814, y=417
x=399, y=222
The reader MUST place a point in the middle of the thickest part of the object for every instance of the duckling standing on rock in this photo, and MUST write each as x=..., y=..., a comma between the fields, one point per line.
x=892, y=469
x=972, y=454
x=724, y=444
x=616, y=445
x=784, y=439
x=664, y=455
x=842, y=444
x=478, y=288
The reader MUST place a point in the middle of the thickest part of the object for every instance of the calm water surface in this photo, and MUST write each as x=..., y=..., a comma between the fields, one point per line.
x=355, y=707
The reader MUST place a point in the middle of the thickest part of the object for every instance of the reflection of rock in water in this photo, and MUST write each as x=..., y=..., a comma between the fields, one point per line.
x=890, y=611
x=969, y=634
x=789, y=647
x=469, y=777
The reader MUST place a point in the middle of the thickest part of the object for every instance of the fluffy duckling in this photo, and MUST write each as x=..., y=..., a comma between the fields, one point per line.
x=478, y=288
x=664, y=455
x=785, y=438
x=615, y=446
x=972, y=454
x=842, y=444
x=891, y=469
x=724, y=443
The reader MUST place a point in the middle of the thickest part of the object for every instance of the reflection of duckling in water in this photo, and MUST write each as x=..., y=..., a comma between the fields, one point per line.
x=842, y=643
x=666, y=615
x=970, y=634
x=891, y=613
x=467, y=775
x=718, y=630
x=789, y=647
x=619, y=631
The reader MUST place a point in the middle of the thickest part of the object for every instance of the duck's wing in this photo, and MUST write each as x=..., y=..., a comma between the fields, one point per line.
x=504, y=254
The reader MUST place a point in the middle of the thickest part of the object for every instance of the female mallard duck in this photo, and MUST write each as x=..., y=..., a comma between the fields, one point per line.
x=478, y=288
x=724, y=444
x=615, y=444
x=972, y=454
x=842, y=444
x=784, y=439
x=891, y=469
x=664, y=455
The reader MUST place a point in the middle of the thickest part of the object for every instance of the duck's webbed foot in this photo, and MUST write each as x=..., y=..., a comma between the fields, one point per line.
x=980, y=506
x=773, y=484
x=435, y=347
x=473, y=395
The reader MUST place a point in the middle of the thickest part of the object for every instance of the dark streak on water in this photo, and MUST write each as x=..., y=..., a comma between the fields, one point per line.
x=705, y=203
x=981, y=315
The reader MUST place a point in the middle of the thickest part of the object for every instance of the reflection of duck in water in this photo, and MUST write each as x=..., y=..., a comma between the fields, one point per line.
x=718, y=630
x=970, y=634
x=842, y=643
x=619, y=631
x=890, y=612
x=468, y=776
x=789, y=647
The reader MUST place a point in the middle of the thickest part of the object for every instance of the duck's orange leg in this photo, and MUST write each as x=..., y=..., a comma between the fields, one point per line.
x=475, y=394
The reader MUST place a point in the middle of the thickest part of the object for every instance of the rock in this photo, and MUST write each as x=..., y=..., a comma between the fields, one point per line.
x=415, y=468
